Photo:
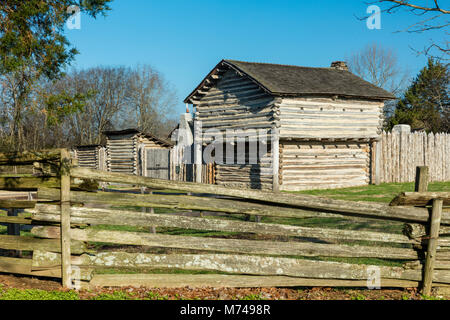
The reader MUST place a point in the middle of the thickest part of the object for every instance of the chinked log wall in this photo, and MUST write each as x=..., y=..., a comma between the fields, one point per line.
x=316, y=165
x=236, y=102
x=324, y=118
x=122, y=153
x=92, y=157
x=326, y=143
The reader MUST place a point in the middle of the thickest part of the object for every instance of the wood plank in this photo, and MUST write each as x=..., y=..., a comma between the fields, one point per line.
x=28, y=157
x=306, y=249
x=179, y=202
x=254, y=265
x=28, y=183
x=229, y=281
x=420, y=198
x=66, y=268
x=16, y=220
x=375, y=210
x=30, y=244
x=420, y=265
x=417, y=231
x=46, y=260
x=24, y=267
x=130, y=218
x=432, y=245
x=50, y=213
x=17, y=204
x=422, y=179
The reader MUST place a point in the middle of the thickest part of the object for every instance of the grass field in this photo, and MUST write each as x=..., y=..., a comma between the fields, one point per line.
x=382, y=193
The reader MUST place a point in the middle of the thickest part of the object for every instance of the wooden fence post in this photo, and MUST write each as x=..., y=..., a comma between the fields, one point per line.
x=422, y=179
x=378, y=150
x=276, y=160
x=66, y=269
x=432, y=245
x=148, y=210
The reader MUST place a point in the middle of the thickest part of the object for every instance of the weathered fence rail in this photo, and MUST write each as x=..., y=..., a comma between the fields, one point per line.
x=71, y=226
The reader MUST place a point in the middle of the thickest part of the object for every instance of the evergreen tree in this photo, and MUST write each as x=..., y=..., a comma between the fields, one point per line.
x=33, y=48
x=425, y=104
x=32, y=33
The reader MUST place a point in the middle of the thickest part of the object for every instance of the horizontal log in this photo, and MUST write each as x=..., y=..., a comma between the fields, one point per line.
x=50, y=213
x=29, y=157
x=178, y=202
x=320, y=134
x=233, y=100
x=15, y=220
x=17, y=204
x=366, y=209
x=231, y=117
x=416, y=231
x=28, y=183
x=320, y=124
x=420, y=198
x=44, y=260
x=442, y=265
x=295, y=186
x=330, y=103
x=31, y=244
x=254, y=265
x=230, y=281
x=263, y=107
x=237, y=92
x=419, y=264
x=24, y=267
x=34, y=183
x=231, y=245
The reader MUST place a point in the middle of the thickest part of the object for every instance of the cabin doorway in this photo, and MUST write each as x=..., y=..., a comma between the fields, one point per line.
x=158, y=163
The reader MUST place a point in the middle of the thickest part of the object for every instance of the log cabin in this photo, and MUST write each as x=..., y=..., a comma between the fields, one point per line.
x=323, y=124
x=134, y=152
x=91, y=156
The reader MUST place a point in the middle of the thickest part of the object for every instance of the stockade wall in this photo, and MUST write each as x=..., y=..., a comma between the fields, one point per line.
x=401, y=153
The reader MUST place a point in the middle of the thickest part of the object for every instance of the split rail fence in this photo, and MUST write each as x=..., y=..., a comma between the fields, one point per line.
x=202, y=229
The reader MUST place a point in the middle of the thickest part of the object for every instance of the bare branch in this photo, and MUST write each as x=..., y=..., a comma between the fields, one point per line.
x=437, y=19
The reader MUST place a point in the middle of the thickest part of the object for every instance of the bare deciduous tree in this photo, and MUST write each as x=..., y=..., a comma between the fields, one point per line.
x=379, y=66
x=150, y=101
x=431, y=15
x=113, y=98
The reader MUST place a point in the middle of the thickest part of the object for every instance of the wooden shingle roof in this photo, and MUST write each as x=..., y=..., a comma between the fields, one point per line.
x=150, y=136
x=295, y=81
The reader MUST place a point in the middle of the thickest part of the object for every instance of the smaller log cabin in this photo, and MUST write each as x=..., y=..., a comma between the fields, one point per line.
x=323, y=124
x=91, y=156
x=134, y=152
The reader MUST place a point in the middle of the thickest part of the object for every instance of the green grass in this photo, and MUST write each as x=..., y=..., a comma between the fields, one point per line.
x=382, y=193
x=32, y=294
x=116, y=295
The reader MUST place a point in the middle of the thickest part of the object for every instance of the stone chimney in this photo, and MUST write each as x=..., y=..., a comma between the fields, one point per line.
x=339, y=65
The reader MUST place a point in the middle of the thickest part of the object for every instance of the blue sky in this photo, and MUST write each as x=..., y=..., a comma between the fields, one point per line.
x=184, y=40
